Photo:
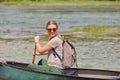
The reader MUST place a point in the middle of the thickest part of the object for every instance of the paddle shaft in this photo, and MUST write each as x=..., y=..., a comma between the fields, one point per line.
x=34, y=55
x=0, y=63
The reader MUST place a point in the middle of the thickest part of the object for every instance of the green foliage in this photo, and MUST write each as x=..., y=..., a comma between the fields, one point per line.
x=59, y=3
x=96, y=29
x=56, y=0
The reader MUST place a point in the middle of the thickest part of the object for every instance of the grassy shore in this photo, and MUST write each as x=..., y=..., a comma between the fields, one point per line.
x=88, y=33
x=60, y=3
x=95, y=29
x=93, y=33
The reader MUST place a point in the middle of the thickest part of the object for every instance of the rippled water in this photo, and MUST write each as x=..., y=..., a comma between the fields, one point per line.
x=27, y=21
x=20, y=22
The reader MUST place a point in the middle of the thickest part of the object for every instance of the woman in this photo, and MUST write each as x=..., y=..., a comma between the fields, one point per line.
x=53, y=62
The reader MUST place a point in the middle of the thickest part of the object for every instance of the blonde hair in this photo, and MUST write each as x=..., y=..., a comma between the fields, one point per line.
x=52, y=22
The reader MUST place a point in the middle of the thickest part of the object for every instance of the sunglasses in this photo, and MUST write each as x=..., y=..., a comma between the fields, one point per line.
x=51, y=29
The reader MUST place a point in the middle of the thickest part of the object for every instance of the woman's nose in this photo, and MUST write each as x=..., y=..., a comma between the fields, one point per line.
x=51, y=30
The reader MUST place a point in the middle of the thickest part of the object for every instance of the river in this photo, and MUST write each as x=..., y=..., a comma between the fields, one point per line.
x=22, y=22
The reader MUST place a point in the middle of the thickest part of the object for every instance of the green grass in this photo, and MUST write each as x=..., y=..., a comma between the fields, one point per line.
x=85, y=33
x=60, y=3
x=97, y=29
x=8, y=39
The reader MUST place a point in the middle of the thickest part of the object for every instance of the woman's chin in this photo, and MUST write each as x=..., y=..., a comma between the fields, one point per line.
x=52, y=35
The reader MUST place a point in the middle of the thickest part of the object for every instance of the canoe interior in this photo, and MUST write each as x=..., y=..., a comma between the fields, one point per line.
x=78, y=72
x=98, y=74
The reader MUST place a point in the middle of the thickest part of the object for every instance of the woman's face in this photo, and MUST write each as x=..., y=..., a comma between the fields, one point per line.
x=52, y=30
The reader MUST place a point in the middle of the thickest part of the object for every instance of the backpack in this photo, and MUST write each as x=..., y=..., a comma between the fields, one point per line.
x=69, y=54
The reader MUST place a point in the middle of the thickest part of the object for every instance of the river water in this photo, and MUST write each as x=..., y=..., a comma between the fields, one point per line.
x=22, y=22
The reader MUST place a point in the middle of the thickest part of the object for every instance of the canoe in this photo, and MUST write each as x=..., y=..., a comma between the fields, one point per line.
x=10, y=70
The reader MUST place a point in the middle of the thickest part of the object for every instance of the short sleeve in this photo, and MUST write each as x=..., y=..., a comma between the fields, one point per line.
x=54, y=42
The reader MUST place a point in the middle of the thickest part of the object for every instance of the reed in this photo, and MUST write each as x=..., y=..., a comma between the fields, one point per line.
x=97, y=29
x=59, y=3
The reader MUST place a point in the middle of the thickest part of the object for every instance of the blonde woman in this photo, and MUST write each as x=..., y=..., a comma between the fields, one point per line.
x=53, y=62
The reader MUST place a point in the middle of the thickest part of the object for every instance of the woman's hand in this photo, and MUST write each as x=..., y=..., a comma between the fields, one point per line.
x=36, y=53
x=37, y=39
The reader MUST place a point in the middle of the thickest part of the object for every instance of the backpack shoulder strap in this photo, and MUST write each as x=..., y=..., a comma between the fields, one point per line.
x=55, y=53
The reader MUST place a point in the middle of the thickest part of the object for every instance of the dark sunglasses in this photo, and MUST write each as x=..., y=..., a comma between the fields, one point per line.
x=51, y=29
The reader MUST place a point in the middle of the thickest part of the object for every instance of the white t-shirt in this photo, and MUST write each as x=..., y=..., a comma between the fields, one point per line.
x=53, y=60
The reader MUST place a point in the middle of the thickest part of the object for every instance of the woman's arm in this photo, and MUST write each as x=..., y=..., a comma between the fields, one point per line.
x=42, y=50
x=38, y=53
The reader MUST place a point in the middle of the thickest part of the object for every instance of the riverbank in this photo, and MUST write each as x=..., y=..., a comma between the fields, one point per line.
x=76, y=34
x=97, y=29
x=60, y=3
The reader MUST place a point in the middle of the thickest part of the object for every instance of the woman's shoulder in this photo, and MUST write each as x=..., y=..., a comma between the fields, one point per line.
x=55, y=41
x=56, y=38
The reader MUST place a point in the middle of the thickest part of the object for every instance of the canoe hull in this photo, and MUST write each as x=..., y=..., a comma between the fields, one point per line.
x=17, y=71
x=9, y=73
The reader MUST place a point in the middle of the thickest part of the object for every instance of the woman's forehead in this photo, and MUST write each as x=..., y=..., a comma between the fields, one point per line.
x=51, y=26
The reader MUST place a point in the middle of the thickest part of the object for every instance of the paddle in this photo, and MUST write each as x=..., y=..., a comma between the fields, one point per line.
x=0, y=63
x=33, y=60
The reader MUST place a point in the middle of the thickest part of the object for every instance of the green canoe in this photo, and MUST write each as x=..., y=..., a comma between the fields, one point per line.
x=10, y=70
